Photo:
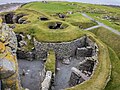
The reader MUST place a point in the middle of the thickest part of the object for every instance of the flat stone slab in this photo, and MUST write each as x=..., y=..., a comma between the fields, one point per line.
x=30, y=74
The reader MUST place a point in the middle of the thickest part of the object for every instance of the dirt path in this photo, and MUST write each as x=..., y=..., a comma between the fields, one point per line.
x=100, y=25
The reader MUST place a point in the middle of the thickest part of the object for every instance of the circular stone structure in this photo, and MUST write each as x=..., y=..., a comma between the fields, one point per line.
x=70, y=58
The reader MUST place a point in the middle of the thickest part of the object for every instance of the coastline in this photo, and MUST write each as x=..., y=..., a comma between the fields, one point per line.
x=9, y=7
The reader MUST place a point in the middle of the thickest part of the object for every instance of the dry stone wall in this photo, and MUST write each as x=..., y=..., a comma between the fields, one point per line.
x=62, y=50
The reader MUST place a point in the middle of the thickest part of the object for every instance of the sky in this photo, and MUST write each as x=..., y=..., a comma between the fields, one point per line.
x=113, y=2
x=108, y=2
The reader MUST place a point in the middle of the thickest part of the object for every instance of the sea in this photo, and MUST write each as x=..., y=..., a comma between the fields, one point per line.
x=105, y=2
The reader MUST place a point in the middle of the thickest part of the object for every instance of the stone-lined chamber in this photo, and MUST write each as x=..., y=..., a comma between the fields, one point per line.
x=82, y=49
x=66, y=50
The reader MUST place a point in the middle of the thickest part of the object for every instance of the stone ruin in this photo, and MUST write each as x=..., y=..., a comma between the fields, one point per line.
x=11, y=18
x=83, y=50
x=66, y=51
x=9, y=77
x=57, y=25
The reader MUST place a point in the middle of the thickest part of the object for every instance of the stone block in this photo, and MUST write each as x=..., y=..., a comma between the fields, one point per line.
x=81, y=52
x=45, y=85
x=89, y=52
x=66, y=61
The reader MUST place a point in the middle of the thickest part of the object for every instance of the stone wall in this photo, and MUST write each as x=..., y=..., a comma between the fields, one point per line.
x=62, y=50
x=86, y=68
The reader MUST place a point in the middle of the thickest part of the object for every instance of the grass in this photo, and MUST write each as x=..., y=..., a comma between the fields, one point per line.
x=106, y=22
x=109, y=38
x=77, y=19
x=102, y=72
x=50, y=63
x=50, y=7
x=114, y=83
x=112, y=40
x=39, y=29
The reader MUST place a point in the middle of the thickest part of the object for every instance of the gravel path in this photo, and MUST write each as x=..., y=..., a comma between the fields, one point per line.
x=90, y=28
x=100, y=24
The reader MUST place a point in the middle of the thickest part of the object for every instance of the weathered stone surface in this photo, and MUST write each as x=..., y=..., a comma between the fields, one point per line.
x=70, y=12
x=7, y=68
x=25, y=55
x=82, y=47
x=45, y=85
x=29, y=37
x=79, y=73
x=21, y=20
x=66, y=61
x=62, y=50
x=8, y=63
x=81, y=52
x=22, y=43
x=61, y=15
x=75, y=79
x=84, y=52
x=11, y=18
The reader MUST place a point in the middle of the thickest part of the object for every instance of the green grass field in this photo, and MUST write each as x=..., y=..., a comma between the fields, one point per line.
x=109, y=38
x=75, y=20
x=106, y=22
x=73, y=28
x=114, y=83
x=112, y=41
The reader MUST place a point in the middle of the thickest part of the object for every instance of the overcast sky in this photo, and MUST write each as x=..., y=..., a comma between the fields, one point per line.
x=113, y=2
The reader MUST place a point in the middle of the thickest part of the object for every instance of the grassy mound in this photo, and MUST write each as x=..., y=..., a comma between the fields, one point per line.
x=41, y=31
x=114, y=83
x=109, y=38
x=112, y=40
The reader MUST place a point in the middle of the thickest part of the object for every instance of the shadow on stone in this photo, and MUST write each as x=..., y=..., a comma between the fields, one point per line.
x=11, y=18
x=57, y=25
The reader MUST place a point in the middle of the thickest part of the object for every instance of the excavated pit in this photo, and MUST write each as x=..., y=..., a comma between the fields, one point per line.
x=8, y=18
x=57, y=25
x=19, y=18
x=43, y=18
x=11, y=18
